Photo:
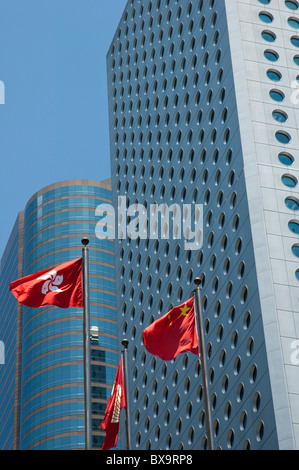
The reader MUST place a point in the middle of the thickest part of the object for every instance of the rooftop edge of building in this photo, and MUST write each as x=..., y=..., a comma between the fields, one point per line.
x=105, y=184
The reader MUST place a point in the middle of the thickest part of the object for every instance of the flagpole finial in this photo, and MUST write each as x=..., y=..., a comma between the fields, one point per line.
x=125, y=343
x=85, y=241
x=197, y=281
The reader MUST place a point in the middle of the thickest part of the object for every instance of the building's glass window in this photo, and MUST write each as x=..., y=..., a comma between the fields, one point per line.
x=279, y=116
x=289, y=180
x=268, y=36
x=274, y=75
x=286, y=158
x=266, y=17
x=271, y=55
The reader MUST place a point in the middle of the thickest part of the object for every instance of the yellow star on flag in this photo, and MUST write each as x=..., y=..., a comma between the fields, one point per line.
x=184, y=312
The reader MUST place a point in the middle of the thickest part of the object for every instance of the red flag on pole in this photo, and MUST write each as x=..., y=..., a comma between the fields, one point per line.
x=173, y=333
x=116, y=402
x=60, y=286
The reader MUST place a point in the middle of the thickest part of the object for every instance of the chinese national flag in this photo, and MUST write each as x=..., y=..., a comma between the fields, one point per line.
x=173, y=333
x=60, y=286
x=116, y=402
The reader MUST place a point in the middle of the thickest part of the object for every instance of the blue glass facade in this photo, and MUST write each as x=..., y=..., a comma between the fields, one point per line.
x=9, y=316
x=174, y=133
x=52, y=390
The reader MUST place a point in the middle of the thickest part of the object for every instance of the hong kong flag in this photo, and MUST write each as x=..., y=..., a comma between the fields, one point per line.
x=60, y=286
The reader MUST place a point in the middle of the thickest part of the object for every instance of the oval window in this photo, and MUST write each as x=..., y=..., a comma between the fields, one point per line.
x=295, y=41
x=266, y=17
x=283, y=137
x=294, y=226
x=289, y=180
x=268, y=36
x=277, y=95
x=271, y=55
x=292, y=4
x=295, y=249
x=274, y=75
x=294, y=22
x=292, y=203
x=279, y=116
x=286, y=158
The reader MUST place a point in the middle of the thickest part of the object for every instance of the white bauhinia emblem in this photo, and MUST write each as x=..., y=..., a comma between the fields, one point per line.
x=116, y=410
x=52, y=281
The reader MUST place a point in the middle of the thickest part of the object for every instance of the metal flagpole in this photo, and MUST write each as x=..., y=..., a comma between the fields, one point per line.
x=86, y=342
x=202, y=355
x=125, y=343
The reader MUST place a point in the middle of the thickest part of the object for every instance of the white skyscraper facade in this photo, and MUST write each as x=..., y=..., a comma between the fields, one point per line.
x=264, y=40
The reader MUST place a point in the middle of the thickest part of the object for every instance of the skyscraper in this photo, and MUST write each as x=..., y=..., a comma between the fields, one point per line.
x=42, y=388
x=203, y=110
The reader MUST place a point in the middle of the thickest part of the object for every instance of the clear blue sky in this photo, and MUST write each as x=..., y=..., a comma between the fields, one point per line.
x=54, y=123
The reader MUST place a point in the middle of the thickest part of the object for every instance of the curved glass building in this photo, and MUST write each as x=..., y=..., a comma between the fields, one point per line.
x=45, y=367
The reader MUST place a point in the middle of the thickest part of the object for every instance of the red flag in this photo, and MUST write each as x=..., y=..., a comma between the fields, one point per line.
x=173, y=333
x=60, y=286
x=116, y=402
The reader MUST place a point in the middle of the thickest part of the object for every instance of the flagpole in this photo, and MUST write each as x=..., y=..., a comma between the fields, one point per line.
x=86, y=342
x=202, y=355
x=125, y=343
